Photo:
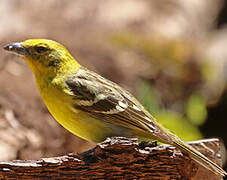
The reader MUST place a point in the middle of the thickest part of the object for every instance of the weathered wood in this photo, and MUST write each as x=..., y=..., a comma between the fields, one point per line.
x=118, y=158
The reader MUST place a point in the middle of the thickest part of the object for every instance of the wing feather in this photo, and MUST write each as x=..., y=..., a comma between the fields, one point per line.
x=105, y=100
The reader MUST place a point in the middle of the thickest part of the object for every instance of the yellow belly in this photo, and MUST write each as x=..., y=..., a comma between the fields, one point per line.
x=60, y=105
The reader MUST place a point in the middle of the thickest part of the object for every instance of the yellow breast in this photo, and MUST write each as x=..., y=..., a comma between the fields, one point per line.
x=60, y=105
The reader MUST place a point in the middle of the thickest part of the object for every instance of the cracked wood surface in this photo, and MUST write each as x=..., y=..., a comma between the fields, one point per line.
x=118, y=158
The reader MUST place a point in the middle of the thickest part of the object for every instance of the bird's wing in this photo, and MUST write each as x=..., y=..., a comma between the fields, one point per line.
x=105, y=100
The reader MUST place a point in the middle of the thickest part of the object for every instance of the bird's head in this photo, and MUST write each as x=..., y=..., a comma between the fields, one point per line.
x=43, y=56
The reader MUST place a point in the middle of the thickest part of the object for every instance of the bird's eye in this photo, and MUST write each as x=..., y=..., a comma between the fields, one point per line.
x=40, y=49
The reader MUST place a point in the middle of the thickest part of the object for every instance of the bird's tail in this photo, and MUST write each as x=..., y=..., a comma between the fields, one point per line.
x=197, y=156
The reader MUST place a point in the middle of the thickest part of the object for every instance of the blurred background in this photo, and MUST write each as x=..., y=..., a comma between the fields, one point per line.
x=172, y=55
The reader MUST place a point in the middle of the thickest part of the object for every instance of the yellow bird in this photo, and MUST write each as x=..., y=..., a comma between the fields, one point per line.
x=89, y=105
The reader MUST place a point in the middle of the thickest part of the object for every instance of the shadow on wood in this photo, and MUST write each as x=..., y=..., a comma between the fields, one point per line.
x=118, y=158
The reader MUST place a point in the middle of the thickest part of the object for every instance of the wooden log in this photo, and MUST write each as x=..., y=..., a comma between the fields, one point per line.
x=118, y=158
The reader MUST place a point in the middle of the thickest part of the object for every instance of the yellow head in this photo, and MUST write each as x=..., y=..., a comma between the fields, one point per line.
x=44, y=57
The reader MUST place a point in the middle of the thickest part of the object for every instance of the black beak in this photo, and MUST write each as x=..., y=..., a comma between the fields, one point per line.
x=17, y=48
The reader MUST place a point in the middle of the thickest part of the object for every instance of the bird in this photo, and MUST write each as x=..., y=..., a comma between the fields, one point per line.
x=89, y=105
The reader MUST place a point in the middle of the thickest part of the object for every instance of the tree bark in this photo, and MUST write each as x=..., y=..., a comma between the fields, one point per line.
x=118, y=158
